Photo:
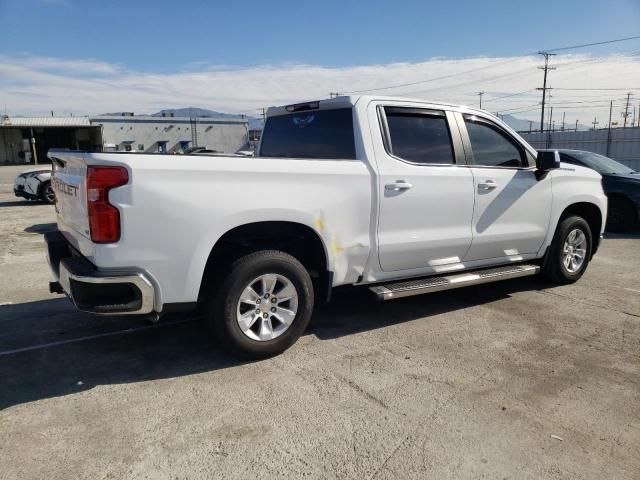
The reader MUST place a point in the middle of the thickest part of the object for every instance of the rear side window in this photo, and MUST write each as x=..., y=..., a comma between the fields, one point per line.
x=419, y=136
x=310, y=134
x=493, y=148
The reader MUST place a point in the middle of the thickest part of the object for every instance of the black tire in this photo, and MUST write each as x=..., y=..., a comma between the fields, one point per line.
x=46, y=193
x=554, y=268
x=222, y=307
x=622, y=216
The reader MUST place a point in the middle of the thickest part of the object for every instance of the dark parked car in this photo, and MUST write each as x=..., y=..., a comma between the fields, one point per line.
x=620, y=183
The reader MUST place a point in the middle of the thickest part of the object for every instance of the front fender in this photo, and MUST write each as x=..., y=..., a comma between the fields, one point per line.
x=570, y=186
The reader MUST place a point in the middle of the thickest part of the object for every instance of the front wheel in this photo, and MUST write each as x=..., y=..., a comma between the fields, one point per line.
x=570, y=251
x=262, y=306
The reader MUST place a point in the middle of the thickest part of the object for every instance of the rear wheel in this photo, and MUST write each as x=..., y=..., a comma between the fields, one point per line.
x=47, y=194
x=262, y=306
x=570, y=251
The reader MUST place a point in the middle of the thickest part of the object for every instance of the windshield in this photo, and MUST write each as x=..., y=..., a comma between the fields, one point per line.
x=601, y=164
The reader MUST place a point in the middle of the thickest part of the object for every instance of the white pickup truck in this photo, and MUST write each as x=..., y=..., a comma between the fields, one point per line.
x=404, y=196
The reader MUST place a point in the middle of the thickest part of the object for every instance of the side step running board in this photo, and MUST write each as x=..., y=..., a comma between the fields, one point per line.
x=435, y=284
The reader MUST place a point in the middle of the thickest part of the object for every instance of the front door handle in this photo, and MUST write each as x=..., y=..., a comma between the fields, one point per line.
x=397, y=186
x=487, y=185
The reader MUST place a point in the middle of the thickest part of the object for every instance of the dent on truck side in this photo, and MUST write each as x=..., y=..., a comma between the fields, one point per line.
x=332, y=198
x=345, y=250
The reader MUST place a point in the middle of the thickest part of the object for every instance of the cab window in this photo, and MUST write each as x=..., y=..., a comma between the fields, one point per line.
x=492, y=147
x=419, y=136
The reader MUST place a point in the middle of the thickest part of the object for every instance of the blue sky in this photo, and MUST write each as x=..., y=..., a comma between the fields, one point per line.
x=163, y=35
x=94, y=56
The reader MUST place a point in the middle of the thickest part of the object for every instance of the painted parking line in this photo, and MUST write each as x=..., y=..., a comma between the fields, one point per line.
x=92, y=337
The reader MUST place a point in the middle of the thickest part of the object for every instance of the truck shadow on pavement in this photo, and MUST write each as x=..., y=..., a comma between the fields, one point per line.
x=18, y=203
x=47, y=349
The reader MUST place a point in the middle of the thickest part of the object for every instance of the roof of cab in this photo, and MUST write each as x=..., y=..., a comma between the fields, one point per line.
x=346, y=101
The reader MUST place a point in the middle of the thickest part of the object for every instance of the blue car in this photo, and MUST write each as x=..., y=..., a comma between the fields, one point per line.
x=619, y=182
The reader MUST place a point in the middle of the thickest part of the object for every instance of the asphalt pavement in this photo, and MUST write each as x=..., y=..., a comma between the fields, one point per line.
x=513, y=380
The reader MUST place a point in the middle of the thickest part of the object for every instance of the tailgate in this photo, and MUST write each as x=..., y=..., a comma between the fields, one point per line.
x=69, y=183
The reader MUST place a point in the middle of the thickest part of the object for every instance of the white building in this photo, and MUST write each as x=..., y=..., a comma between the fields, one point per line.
x=150, y=134
x=27, y=139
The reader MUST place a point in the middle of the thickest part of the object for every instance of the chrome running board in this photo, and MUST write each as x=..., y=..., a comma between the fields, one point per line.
x=407, y=288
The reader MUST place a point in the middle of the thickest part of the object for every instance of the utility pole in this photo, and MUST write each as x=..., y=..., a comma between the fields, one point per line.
x=609, y=129
x=610, y=113
x=549, y=128
x=576, y=125
x=626, y=110
x=546, y=68
x=480, y=95
x=530, y=124
x=263, y=114
x=595, y=122
x=563, y=115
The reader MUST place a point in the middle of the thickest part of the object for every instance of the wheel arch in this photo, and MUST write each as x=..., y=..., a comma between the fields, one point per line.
x=591, y=214
x=623, y=197
x=297, y=239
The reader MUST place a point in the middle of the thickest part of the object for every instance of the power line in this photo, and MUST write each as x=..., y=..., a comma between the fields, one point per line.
x=508, y=60
x=444, y=77
x=589, y=89
x=584, y=101
x=525, y=111
x=509, y=95
x=593, y=44
x=525, y=71
x=519, y=108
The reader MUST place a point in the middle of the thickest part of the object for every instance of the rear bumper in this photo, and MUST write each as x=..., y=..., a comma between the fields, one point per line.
x=93, y=290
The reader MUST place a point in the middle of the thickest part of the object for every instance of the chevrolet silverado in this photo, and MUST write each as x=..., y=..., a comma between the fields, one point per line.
x=404, y=196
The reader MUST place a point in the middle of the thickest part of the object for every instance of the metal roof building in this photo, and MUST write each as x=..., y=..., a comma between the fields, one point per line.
x=28, y=122
x=27, y=139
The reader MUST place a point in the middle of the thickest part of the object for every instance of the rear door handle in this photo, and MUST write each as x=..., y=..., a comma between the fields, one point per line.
x=397, y=186
x=487, y=185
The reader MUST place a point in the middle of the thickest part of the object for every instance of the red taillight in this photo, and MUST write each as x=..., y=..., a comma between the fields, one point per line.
x=104, y=218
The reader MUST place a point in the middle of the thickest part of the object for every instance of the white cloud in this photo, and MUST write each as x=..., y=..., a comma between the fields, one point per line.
x=31, y=85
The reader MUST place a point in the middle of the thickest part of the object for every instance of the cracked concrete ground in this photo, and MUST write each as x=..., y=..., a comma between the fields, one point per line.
x=518, y=380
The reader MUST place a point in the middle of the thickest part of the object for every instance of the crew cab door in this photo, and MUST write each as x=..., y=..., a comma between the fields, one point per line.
x=425, y=195
x=512, y=206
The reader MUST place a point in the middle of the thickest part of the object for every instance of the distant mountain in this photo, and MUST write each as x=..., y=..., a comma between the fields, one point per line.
x=194, y=112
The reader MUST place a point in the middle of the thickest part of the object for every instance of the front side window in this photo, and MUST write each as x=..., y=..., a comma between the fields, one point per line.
x=310, y=134
x=419, y=136
x=492, y=148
